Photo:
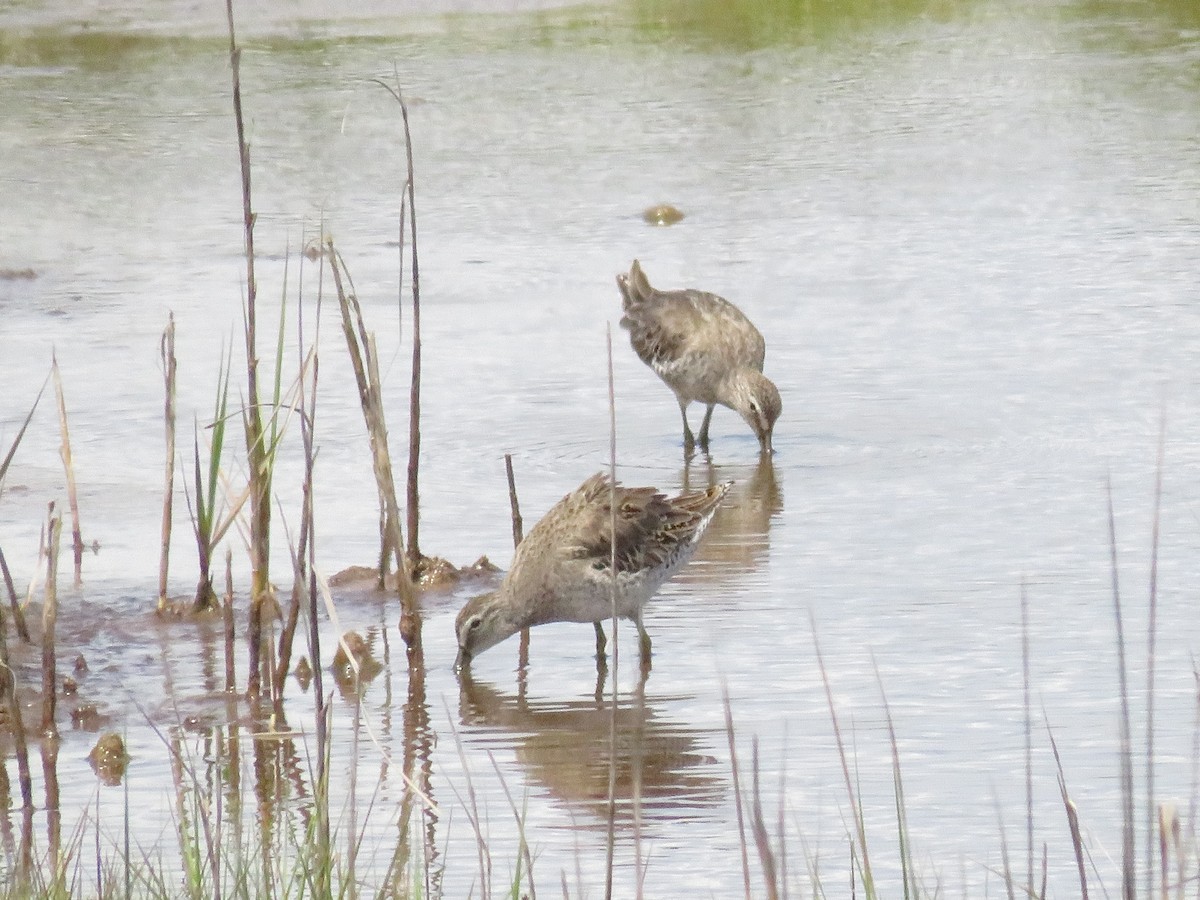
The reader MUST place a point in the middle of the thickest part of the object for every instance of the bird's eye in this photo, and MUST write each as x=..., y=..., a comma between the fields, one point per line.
x=474, y=623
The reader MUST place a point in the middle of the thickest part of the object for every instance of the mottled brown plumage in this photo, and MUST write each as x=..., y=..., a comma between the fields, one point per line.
x=561, y=570
x=706, y=351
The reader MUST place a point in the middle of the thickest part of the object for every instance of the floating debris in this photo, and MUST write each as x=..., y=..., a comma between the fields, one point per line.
x=662, y=214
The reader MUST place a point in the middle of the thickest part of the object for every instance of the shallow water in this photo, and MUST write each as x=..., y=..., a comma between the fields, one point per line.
x=970, y=232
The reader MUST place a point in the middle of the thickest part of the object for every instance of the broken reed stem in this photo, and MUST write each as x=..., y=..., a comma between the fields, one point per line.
x=14, y=601
x=167, y=353
x=68, y=465
x=8, y=693
x=227, y=621
x=49, y=620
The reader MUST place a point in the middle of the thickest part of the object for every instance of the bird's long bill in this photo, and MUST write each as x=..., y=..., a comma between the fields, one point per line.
x=462, y=661
x=764, y=442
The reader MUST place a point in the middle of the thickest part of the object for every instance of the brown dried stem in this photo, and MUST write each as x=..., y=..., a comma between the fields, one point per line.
x=364, y=359
x=257, y=451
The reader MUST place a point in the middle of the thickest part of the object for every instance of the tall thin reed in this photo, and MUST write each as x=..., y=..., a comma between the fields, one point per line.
x=257, y=451
x=1128, y=859
x=758, y=828
x=408, y=205
x=49, y=620
x=737, y=788
x=314, y=649
x=908, y=871
x=8, y=694
x=414, y=392
x=167, y=354
x=227, y=622
x=1025, y=689
x=1072, y=816
x=855, y=809
x=1151, y=645
x=69, y=467
x=308, y=407
x=610, y=839
x=14, y=602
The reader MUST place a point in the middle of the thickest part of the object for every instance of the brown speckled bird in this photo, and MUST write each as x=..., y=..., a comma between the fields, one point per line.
x=561, y=570
x=705, y=349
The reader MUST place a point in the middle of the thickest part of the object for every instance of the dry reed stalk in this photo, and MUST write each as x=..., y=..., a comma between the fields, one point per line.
x=907, y=866
x=855, y=808
x=257, y=452
x=365, y=362
x=69, y=466
x=758, y=828
x=14, y=602
x=1128, y=856
x=1072, y=816
x=8, y=693
x=227, y=621
x=49, y=620
x=167, y=353
x=414, y=393
x=737, y=788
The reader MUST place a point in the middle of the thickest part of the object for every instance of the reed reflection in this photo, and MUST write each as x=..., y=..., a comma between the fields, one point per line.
x=662, y=769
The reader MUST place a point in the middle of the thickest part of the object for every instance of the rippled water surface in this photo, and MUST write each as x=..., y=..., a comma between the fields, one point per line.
x=970, y=232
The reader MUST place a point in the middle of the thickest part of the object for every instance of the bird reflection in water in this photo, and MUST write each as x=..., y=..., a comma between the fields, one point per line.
x=738, y=538
x=662, y=769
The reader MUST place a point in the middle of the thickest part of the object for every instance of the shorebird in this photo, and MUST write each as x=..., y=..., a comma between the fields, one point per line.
x=562, y=569
x=705, y=349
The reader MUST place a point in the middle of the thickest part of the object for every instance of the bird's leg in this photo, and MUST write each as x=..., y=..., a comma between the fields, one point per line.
x=643, y=642
x=601, y=642
x=704, y=427
x=689, y=440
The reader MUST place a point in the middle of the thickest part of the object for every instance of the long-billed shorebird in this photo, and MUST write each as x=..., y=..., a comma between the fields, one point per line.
x=705, y=349
x=562, y=570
